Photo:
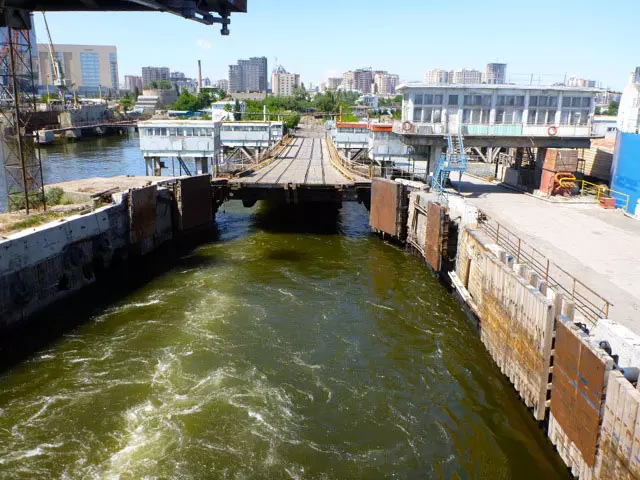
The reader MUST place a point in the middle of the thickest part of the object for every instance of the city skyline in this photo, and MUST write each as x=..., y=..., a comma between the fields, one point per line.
x=144, y=36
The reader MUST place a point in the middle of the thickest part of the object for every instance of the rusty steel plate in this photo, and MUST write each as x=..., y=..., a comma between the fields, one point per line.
x=142, y=213
x=385, y=206
x=434, y=240
x=578, y=389
x=195, y=202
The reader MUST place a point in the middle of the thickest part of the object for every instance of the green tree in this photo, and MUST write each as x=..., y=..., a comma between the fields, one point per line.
x=237, y=114
x=45, y=98
x=206, y=98
x=126, y=102
x=614, y=106
x=186, y=101
x=300, y=94
x=291, y=121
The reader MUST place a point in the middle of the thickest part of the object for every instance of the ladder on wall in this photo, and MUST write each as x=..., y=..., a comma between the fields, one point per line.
x=454, y=160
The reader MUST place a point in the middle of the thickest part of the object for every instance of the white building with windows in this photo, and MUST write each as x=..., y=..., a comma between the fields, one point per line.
x=201, y=141
x=498, y=110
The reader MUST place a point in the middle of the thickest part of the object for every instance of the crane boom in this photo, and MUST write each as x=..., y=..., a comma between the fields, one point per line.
x=56, y=65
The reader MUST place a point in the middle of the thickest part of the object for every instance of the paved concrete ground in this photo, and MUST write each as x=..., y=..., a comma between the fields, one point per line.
x=306, y=161
x=91, y=186
x=599, y=247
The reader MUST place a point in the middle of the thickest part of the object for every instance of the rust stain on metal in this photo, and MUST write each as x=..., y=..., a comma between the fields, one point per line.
x=388, y=208
x=619, y=454
x=579, y=377
x=436, y=239
x=142, y=213
x=517, y=330
x=194, y=198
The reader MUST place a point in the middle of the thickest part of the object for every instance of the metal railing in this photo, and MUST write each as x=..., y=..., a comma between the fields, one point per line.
x=601, y=192
x=590, y=304
x=113, y=122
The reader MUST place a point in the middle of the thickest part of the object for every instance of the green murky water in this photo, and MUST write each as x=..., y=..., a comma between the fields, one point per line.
x=272, y=353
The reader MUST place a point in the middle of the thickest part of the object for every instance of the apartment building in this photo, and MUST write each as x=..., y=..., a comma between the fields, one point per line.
x=248, y=75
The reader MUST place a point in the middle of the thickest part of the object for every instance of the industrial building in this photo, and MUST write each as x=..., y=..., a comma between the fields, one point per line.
x=90, y=68
x=283, y=84
x=525, y=119
x=248, y=75
x=154, y=74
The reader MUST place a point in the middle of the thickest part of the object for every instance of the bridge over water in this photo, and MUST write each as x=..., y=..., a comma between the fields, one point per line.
x=306, y=169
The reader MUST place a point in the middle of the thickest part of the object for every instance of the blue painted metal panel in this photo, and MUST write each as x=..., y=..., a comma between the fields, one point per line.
x=625, y=176
x=498, y=130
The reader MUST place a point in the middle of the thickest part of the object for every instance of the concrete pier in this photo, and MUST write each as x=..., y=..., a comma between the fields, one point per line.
x=41, y=265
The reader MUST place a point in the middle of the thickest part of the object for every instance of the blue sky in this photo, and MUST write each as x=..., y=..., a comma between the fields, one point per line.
x=585, y=38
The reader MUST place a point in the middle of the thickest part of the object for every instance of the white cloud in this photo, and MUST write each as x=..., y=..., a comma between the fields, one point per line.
x=203, y=44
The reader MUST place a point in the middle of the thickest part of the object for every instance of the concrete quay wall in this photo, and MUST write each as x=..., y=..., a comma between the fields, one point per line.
x=42, y=265
x=577, y=378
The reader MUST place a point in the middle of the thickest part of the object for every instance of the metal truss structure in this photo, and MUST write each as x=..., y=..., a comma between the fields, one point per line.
x=18, y=91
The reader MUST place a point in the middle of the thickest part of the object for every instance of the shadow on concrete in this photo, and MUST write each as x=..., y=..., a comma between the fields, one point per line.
x=478, y=190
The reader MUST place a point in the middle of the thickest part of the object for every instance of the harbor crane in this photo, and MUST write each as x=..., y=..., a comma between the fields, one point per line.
x=57, y=71
x=18, y=86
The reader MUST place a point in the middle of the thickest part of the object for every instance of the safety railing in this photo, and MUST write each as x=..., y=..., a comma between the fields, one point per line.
x=348, y=168
x=601, y=192
x=587, y=301
x=113, y=122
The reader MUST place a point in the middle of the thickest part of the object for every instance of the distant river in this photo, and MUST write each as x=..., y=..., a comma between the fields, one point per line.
x=97, y=157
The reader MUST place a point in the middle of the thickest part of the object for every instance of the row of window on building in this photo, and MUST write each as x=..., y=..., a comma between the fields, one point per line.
x=176, y=132
x=245, y=128
x=353, y=130
x=503, y=100
x=506, y=116
x=202, y=131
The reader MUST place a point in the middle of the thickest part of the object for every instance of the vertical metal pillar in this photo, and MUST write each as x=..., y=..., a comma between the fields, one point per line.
x=18, y=93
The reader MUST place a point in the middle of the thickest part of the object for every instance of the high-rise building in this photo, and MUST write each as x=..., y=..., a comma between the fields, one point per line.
x=283, y=84
x=248, y=75
x=90, y=67
x=22, y=60
x=133, y=82
x=438, y=76
x=222, y=84
x=333, y=83
x=496, y=74
x=636, y=75
x=154, y=74
x=467, y=76
x=360, y=80
x=385, y=83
